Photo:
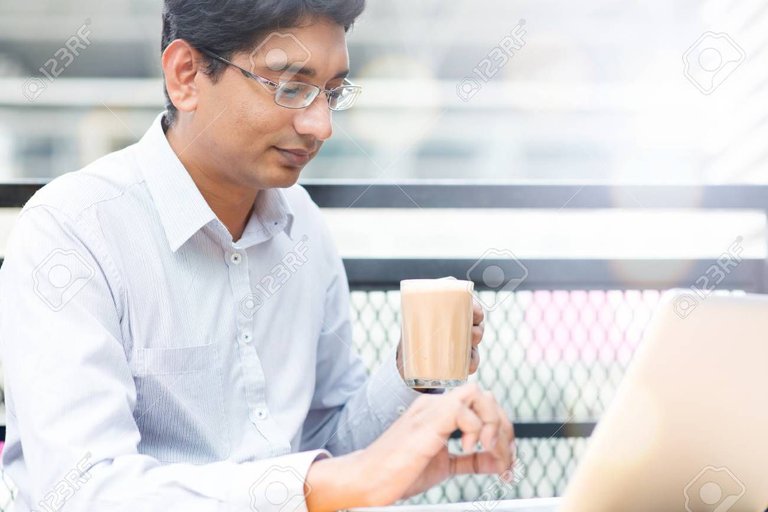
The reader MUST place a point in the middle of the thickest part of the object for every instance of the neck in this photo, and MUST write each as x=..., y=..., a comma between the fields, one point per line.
x=232, y=203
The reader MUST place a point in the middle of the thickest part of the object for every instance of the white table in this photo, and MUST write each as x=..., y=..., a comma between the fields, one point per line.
x=529, y=505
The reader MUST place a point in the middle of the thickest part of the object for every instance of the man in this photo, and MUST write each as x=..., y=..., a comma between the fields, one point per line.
x=175, y=317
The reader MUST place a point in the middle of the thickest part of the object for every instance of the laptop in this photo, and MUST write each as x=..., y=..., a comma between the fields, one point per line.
x=688, y=427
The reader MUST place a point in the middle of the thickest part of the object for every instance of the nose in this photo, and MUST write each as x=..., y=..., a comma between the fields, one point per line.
x=315, y=119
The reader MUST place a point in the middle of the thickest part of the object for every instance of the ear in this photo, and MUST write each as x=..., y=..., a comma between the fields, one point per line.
x=181, y=63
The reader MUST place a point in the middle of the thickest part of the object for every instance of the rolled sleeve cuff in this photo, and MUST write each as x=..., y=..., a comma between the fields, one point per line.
x=388, y=396
x=253, y=488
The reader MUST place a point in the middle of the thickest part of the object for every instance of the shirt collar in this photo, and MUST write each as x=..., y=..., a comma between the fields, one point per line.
x=271, y=214
x=182, y=208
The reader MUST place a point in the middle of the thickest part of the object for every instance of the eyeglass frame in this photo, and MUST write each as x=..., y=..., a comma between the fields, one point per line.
x=275, y=86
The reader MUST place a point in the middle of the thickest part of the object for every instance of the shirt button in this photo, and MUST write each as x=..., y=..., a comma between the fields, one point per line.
x=236, y=258
x=400, y=409
x=245, y=337
x=260, y=414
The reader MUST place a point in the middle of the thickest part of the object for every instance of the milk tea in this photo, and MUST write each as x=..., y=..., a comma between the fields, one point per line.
x=437, y=331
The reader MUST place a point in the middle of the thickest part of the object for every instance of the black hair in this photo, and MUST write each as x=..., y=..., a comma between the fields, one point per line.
x=226, y=27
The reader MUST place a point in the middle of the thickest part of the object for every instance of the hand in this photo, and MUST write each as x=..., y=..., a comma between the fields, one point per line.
x=478, y=329
x=412, y=455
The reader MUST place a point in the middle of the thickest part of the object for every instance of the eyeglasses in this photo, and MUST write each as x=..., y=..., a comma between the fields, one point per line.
x=295, y=94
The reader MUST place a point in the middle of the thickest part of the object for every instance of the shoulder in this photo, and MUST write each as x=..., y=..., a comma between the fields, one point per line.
x=76, y=192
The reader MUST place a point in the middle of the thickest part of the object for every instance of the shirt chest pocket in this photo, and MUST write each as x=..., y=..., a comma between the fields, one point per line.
x=180, y=404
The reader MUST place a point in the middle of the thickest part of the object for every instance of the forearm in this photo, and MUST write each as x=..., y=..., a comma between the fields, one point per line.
x=138, y=482
x=369, y=409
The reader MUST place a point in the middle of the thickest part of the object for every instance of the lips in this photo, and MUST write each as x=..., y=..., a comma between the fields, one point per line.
x=294, y=157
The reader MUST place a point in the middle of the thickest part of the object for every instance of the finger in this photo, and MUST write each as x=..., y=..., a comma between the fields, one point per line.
x=463, y=394
x=473, y=464
x=477, y=334
x=487, y=409
x=509, y=473
x=470, y=425
x=466, y=417
x=508, y=428
x=483, y=405
x=474, y=361
x=505, y=443
x=478, y=315
x=477, y=415
x=451, y=410
x=476, y=398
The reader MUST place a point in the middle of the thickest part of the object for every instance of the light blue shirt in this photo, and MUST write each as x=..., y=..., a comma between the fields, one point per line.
x=154, y=364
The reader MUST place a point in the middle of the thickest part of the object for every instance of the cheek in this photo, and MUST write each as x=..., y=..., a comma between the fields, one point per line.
x=261, y=125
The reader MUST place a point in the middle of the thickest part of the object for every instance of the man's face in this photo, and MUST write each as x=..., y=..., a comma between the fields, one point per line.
x=249, y=140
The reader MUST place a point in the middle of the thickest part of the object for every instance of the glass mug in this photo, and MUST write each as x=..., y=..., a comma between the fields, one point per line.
x=436, y=331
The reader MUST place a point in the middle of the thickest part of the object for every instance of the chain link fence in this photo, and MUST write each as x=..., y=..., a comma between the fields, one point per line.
x=548, y=356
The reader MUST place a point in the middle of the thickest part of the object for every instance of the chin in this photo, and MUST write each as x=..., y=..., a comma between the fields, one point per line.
x=286, y=176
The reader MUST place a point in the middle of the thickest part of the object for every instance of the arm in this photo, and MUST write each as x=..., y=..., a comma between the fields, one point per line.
x=412, y=455
x=71, y=392
x=349, y=410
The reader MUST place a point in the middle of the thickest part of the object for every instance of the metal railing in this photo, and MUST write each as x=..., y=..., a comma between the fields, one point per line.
x=557, y=345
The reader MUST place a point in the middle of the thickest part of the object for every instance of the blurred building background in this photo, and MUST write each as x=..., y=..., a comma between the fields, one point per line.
x=597, y=92
x=594, y=91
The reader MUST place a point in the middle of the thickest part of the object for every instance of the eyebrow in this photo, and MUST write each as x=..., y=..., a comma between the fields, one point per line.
x=309, y=72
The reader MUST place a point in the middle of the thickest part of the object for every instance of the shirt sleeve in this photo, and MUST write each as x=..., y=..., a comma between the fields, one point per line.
x=71, y=394
x=350, y=409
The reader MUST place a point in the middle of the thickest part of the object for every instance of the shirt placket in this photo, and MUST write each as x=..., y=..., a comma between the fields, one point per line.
x=253, y=374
